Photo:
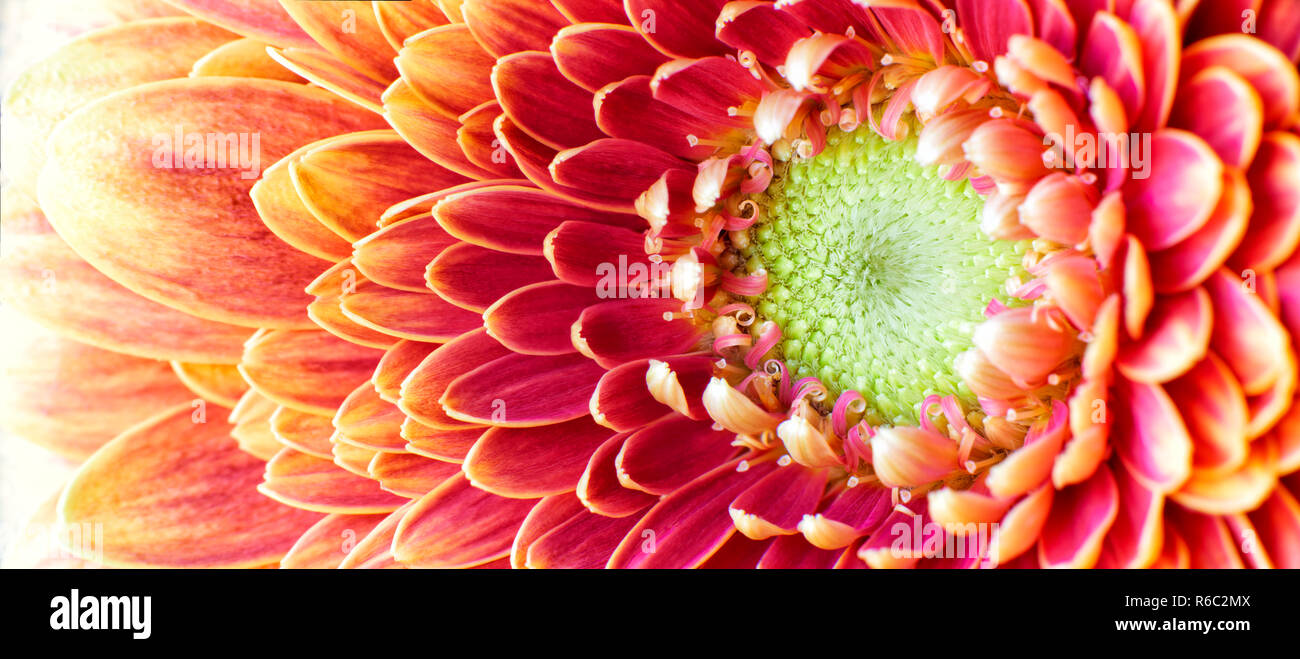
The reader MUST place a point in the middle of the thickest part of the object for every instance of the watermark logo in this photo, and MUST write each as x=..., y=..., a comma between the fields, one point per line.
x=91, y=612
x=633, y=280
x=1075, y=150
x=955, y=541
x=181, y=150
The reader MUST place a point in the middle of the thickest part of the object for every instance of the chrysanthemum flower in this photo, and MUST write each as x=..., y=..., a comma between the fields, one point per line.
x=657, y=283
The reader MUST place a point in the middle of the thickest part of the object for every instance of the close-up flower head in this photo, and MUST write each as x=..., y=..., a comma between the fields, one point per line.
x=654, y=284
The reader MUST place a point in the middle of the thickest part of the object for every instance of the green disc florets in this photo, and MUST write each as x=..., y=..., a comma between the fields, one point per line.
x=878, y=271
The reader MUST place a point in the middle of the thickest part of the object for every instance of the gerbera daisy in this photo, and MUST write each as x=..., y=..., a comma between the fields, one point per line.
x=658, y=283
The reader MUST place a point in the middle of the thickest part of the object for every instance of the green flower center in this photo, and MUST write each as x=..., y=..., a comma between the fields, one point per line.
x=878, y=272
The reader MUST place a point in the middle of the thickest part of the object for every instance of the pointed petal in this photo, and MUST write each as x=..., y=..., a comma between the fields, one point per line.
x=366, y=420
x=252, y=419
x=375, y=550
x=348, y=182
x=309, y=433
x=284, y=213
x=327, y=543
x=410, y=475
x=217, y=383
x=396, y=364
x=594, y=55
x=326, y=71
x=584, y=542
x=428, y=130
x=447, y=69
x=449, y=445
x=542, y=102
x=259, y=19
x=776, y=504
x=399, y=254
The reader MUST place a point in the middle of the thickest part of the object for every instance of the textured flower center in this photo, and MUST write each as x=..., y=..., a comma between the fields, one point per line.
x=877, y=271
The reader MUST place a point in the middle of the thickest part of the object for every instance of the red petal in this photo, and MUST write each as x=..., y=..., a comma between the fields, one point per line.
x=1081, y=516
x=521, y=391
x=671, y=452
x=685, y=528
x=594, y=55
x=458, y=525
x=623, y=330
x=542, y=102
x=474, y=277
x=599, y=488
x=534, y=462
x=536, y=319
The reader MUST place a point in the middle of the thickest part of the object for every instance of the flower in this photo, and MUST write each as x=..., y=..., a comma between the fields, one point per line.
x=672, y=284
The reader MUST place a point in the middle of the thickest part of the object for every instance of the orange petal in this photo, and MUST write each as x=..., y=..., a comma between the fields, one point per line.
x=328, y=542
x=349, y=31
x=218, y=383
x=311, y=371
x=259, y=19
x=410, y=475
x=252, y=419
x=243, y=58
x=303, y=481
x=45, y=280
x=309, y=433
x=348, y=181
x=400, y=21
x=72, y=398
x=174, y=493
x=327, y=310
x=89, y=68
x=109, y=192
x=448, y=69
x=1242, y=490
x=328, y=72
